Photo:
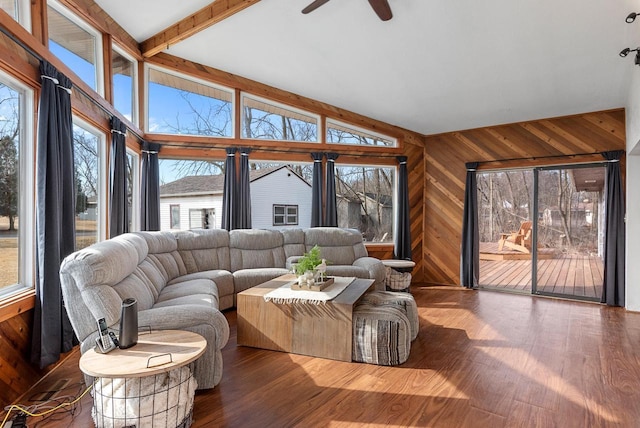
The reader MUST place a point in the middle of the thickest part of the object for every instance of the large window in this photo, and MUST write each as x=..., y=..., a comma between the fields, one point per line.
x=365, y=200
x=181, y=105
x=19, y=10
x=76, y=44
x=268, y=120
x=125, y=87
x=16, y=186
x=89, y=174
x=342, y=133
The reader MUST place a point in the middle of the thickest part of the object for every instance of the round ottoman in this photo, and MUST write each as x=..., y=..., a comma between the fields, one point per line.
x=381, y=335
x=404, y=301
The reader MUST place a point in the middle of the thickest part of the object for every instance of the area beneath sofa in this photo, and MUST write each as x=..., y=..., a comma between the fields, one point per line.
x=316, y=330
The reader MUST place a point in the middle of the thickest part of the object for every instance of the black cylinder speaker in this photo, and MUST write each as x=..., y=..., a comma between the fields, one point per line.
x=128, y=323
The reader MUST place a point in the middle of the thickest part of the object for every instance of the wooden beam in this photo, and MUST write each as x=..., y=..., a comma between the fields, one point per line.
x=215, y=12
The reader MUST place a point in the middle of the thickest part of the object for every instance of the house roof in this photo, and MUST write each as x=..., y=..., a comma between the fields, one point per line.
x=436, y=66
x=212, y=184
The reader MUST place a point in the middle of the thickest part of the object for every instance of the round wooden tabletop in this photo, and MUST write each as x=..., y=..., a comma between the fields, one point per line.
x=156, y=352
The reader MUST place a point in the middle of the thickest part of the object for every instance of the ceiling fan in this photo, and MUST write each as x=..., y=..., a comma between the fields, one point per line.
x=381, y=8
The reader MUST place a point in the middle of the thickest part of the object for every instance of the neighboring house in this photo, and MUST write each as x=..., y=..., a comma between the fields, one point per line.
x=280, y=198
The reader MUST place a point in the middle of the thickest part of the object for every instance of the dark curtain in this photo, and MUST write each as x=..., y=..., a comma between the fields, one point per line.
x=55, y=216
x=470, y=254
x=316, y=190
x=403, y=228
x=228, y=193
x=614, y=254
x=119, y=209
x=244, y=191
x=331, y=210
x=150, y=188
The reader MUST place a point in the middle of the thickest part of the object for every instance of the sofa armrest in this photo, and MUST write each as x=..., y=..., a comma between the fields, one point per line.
x=376, y=270
x=183, y=317
x=291, y=260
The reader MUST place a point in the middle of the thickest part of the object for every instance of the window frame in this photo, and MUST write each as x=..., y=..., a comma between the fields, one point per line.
x=26, y=189
x=193, y=79
x=285, y=215
x=103, y=172
x=99, y=48
x=23, y=11
x=282, y=106
x=355, y=128
x=135, y=97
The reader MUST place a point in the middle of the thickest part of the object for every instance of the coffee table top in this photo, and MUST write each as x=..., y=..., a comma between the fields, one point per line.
x=161, y=351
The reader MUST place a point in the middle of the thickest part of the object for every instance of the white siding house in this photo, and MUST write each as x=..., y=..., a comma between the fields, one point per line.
x=280, y=198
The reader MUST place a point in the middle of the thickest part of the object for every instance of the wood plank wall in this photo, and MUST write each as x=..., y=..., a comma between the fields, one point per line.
x=562, y=140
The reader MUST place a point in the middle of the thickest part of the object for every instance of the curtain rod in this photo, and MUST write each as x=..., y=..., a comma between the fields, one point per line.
x=39, y=57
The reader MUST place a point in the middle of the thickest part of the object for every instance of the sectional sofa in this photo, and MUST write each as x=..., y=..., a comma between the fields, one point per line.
x=182, y=280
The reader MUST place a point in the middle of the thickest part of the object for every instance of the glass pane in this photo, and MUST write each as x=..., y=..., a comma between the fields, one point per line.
x=123, y=85
x=365, y=200
x=571, y=208
x=263, y=120
x=505, y=227
x=132, y=168
x=10, y=101
x=10, y=7
x=278, y=210
x=175, y=216
x=182, y=106
x=88, y=198
x=340, y=133
x=74, y=46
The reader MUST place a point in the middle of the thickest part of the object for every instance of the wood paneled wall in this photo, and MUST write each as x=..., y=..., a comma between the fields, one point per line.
x=562, y=140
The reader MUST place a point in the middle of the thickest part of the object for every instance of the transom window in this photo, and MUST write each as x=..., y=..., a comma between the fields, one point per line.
x=76, y=44
x=125, y=87
x=181, y=105
x=19, y=10
x=342, y=133
x=267, y=120
x=285, y=215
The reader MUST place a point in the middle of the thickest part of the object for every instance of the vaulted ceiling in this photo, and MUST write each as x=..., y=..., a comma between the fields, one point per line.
x=436, y=66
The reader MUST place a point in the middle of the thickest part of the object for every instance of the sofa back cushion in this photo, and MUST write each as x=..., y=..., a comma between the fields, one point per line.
x=293, y=242
x=255, y=248
x=338, y=246
x=204, y=249
x=163, y=262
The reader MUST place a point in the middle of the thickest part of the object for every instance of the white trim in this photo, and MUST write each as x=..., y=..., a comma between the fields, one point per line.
x=366, y=131
x=292, y=109
x=97, y=36
x=232, y=92
x=135, y=95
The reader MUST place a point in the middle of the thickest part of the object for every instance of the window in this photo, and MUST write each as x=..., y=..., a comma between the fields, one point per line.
x=90, y=177
x=16, y=186
x=133, y=189
x=175, y=216
x=268, y=120
x=76, y=44
x=125, y=87
x=19, y=10
x=285, y=215
x=194, y=184
x=365, y=200
x=341, y=133
x=181, y=105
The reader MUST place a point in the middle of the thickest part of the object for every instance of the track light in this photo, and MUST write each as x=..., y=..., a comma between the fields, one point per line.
x=631, y=17
x=626, y=51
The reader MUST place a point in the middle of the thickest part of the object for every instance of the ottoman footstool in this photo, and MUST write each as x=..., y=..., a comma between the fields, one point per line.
x=404, y=301
x=381, y=335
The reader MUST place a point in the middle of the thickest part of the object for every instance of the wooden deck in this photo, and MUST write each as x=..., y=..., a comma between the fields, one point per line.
x=573, y=275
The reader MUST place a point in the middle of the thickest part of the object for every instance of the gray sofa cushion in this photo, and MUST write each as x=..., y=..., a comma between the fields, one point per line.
x=338, y=246
x=293, y=242
x=204, y=249
x=223, y=280
x=254, y=248
x=247, y=278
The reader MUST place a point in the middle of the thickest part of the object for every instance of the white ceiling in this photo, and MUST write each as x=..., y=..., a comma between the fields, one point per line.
x=437, y=66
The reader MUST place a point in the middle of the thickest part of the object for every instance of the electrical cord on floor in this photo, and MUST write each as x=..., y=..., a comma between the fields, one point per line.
x=27, y=410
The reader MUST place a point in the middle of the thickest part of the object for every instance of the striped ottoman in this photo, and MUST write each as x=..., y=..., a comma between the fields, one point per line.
x=381, y=335
x=405, y=301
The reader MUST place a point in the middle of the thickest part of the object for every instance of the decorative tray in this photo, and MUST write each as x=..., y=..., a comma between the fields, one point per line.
x=318, y=286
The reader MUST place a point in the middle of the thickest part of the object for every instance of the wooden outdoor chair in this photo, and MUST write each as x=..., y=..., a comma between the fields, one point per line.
x=520, y=240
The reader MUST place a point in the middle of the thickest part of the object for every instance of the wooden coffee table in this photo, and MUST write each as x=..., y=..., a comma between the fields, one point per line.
x=323, y=330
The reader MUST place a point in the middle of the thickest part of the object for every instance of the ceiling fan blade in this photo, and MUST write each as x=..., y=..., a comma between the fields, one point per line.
x=382, y=8
x=314, y=5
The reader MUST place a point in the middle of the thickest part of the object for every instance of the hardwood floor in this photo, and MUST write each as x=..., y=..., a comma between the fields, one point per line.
x=482, y=359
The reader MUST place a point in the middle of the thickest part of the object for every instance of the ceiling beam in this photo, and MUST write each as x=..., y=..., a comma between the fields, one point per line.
x=198, y=21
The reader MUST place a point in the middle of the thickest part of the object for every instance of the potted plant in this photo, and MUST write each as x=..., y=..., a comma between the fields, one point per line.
x=306, y=266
